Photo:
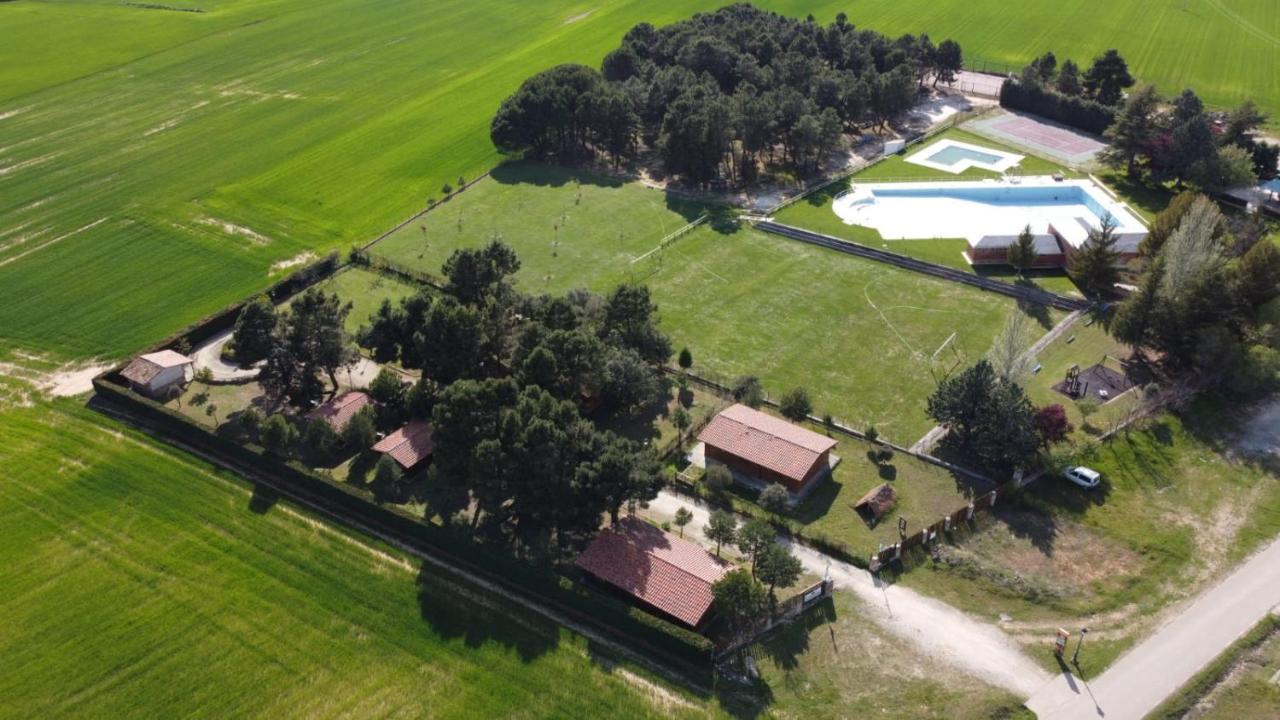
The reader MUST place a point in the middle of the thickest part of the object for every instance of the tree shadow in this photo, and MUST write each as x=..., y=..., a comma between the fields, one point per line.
x=1035, y=526
x=530, y=172
x=887, y=471
x=361, y=469
x=263, y=499
x=479, y=619
x=1039, y=312
x=827, y=193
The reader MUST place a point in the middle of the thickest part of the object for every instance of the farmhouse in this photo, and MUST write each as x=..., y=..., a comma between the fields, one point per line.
x=339, y=410
x=409, y=446
x=665, y=574
x=761, y=449
x=155, y=373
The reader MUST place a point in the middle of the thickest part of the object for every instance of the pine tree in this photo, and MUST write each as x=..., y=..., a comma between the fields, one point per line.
x=1022, y=253
x=1133, y=131
x=1093, y=264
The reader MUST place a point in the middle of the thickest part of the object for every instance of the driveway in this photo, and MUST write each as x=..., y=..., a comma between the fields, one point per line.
x=209, y=356
x=934, y=628
x=1152, y=671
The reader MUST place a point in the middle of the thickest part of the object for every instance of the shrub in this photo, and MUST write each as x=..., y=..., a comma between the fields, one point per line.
x=795, y=405
x=278, y=435
x=1078, y=112
x=250, y=422
x=748, y=391
x=718, y=477
x=872, y=434
x=360, y=431
x=686, y=358
x=774, y=498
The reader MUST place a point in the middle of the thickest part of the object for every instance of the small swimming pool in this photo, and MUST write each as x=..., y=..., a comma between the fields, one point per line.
x=954, y=156
x=1272, y=185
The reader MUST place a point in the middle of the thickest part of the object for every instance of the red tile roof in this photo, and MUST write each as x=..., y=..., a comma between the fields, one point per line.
x=145, y=367
x=409, y=445
x=339, y=411
x=765, y=440
x=667, y=572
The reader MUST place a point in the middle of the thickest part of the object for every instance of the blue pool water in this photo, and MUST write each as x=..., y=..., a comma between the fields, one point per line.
x=953, y=154
x=1002, y=195
x=1272, y=185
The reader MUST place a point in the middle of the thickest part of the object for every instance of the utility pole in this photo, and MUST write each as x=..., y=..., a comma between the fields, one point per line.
x=1075, y=657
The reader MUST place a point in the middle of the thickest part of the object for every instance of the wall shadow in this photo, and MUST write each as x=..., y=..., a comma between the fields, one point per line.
x=530, y=172
x=477, y=618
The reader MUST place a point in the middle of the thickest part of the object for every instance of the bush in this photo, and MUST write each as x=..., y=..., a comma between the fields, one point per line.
x=250, y=422
x=774, y=498
x=718, y=478
x=1078, y=112
x=360, y=431
x=795, y=405
x=321, y=440
x=278, y=435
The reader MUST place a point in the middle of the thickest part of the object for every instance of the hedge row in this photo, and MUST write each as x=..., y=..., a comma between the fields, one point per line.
x=389, y=267
x=545, y=585
x=1077, y=112
x=225, y=319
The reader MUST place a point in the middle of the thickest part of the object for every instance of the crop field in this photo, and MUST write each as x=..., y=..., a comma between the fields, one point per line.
x=140, y=582
x=857, y=334
x=154, y=164
x=571, y=229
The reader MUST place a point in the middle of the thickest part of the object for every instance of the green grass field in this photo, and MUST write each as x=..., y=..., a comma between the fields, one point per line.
x=140, y=582
x=857, y=334
x=156, y=163
x=571, y=228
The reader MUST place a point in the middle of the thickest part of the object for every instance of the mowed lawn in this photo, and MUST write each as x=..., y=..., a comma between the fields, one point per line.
x=142, y=147
x=365, y=290
x=570, y=228
x=857, y=334
x=140, y=582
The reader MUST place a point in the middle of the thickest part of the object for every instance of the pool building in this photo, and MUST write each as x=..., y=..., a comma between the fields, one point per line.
x=990, y=214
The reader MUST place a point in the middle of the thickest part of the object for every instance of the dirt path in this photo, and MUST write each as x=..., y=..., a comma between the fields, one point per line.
x=209, y=357
x=934, y=628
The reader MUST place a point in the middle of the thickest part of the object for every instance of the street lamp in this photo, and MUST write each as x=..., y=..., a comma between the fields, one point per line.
x=1075, y=657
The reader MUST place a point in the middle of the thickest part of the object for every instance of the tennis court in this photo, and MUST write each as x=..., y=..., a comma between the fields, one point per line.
x=1054, y=141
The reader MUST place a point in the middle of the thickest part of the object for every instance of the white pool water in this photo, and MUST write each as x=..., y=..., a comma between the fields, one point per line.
x=989, y=208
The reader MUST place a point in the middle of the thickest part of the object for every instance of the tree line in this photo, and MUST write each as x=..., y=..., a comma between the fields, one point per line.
x=724, y=95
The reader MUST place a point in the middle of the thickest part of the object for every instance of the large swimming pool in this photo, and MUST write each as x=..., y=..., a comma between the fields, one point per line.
x=987, y=209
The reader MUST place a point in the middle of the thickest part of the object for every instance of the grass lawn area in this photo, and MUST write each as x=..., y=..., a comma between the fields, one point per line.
x=140, y=582
x=571, y=228
x=1175, y=510
x=925, y=494
x=365, y=290
x=815, y=213
x=857, y=334
x=1085, y=345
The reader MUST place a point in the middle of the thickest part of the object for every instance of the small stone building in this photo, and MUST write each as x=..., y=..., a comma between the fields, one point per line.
x=154, y=374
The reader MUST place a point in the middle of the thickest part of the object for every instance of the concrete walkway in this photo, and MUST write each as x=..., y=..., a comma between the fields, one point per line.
x=934, y=628
x=1152, y=671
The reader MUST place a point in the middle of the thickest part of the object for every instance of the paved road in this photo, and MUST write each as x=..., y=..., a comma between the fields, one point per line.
x=935, y=628
x=1153, y=670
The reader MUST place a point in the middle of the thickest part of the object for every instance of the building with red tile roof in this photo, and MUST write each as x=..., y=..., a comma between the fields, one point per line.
x=154, y=373
x=664, y=573
x=765, y=448
x=339, y=410
x=408, y=446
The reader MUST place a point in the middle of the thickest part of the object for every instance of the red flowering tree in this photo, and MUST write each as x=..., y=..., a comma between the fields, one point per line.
x=1052, y=424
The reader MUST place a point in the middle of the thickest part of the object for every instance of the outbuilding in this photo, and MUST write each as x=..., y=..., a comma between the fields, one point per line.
x=410, y=446
x=666, y=575
x=156, y=373
x=339, y=410
x=761, y=449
